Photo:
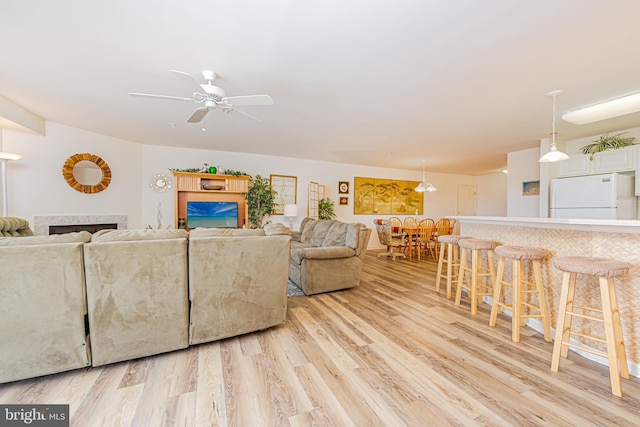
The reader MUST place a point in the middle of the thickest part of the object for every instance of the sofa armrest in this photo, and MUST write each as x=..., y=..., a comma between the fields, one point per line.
x=296, y=236
x=331, y=252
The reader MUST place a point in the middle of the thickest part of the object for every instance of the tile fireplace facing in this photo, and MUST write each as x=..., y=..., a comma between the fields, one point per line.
x=43, y=225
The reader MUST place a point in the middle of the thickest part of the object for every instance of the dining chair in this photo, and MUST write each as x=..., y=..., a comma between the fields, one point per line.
x=410, y=222
x=388, y=238
x=396, y=224
x=426, y=229
x=396, y=228
x=443, y=226
x=410, y=227
x=452, y=225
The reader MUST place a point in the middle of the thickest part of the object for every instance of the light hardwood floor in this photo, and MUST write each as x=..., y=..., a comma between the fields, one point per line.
x=391, y=352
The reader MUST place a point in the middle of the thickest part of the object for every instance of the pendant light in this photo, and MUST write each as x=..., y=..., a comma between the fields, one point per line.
x=553, y=155
x=424, y=185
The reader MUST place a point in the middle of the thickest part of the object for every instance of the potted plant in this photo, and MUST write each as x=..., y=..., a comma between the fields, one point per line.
x=607, y=142
x=260, y=199
x=326, y=209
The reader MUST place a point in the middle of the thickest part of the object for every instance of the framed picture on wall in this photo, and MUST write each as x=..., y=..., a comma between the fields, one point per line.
x=344, y=200
x=343, y=187
x=531, y=188
x=286, y=188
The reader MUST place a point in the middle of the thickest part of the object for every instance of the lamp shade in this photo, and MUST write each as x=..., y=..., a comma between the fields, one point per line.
x=290, y=210
x=10, y=156
x=553, y=155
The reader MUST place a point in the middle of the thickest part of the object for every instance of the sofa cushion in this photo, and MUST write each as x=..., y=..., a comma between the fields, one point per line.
x=342, y=234
x=334, y=252
x=276, y=229
x=218, y=232
x=307, y=227
x=320, y=232
x=80, y=236
x=132, y=235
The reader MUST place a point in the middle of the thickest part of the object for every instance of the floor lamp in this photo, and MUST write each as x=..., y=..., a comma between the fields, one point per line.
x=4, y=158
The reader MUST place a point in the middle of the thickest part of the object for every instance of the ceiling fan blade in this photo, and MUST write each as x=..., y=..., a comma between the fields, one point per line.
x=248, y=115
x=175, y=98
x=249, y=100
x=198, y=115
x=188, y=80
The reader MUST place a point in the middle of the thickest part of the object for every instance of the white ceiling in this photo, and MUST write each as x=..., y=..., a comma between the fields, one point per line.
x=458, y=83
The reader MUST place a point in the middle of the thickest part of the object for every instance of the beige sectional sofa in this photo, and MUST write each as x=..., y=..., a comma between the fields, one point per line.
x=327, y=255
x=237, y=282
x=42, y=306
x=136, y=293
x=135, y=288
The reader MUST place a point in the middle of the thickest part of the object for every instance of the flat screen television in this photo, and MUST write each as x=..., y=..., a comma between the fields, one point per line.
x=212, y=214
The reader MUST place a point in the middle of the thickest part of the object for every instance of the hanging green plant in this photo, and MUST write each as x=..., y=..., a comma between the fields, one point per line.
x=260, y=200
x=326, y=208
x=608, y=142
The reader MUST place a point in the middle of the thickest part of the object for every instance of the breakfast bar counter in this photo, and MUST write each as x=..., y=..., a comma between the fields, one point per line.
x=615, y=239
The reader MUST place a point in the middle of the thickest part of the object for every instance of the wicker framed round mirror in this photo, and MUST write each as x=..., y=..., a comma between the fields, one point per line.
x=80, y=173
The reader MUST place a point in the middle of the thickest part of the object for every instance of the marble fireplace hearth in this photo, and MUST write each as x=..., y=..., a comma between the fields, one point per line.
x=41, y=223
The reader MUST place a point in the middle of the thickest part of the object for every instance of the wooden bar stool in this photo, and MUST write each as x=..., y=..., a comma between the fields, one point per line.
x=520, y=288
x=471, y=278
x=450, y=255
x=605, y=270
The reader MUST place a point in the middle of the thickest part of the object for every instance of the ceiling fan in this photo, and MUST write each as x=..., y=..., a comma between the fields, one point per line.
x=210, y=96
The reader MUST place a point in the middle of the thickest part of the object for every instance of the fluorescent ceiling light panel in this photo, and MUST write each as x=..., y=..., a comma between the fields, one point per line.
x=604, y=110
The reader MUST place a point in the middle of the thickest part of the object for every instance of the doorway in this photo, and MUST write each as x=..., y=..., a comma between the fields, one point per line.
x=466, y=200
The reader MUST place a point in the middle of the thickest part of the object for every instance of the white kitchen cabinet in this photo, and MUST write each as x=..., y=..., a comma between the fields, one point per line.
x=575, y=165
x=621, y=160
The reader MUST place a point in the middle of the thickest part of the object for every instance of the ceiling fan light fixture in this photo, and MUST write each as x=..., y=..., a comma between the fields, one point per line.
x=553, y=155
x=604, y=110
x=210, y=96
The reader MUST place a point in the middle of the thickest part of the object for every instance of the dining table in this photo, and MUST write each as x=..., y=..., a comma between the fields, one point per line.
x=412, y=234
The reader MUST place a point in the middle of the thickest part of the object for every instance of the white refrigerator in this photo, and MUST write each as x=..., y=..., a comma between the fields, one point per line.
x=609, y=196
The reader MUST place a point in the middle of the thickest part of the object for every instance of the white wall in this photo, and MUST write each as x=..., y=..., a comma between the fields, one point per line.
x=36, y=185
x=523, y=167
x=158, y=159
x=492, y=195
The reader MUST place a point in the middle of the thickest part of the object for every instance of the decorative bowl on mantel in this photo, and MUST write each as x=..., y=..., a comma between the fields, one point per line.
x=212, y=187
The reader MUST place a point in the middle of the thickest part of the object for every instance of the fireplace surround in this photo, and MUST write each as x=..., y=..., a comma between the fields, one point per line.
x=42, y=223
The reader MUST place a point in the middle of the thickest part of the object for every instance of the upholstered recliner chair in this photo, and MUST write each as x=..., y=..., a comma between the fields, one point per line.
x=14, y=227
x=327, y=255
